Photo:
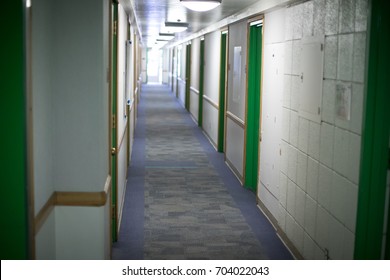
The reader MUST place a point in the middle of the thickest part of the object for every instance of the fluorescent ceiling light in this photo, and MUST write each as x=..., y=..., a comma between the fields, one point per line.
x=201, y=5
x=165, y=36
x=166, y=39
x=174, y=27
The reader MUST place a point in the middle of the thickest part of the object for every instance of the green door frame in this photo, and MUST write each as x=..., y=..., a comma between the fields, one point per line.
x=201, y=79
x=188, y=77
x=375, y=139
x=15, y=229
x=222, y=93
x=114, y=160
x=253, y=107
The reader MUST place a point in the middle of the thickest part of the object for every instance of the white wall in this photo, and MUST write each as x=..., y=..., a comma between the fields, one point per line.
x=122, y=118
x=316, y=192
x=82, y=233
x=80, y=97
x=194, y=86
x=144, y=65
x=195, y=63
x=43, y=124
x=272, y=92
x=70, y=112
x=182, y=74
x=45, y=240
x=165, y=66
x=212, y=58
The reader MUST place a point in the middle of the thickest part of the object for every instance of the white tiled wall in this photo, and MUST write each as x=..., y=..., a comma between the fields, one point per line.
x=319, y=162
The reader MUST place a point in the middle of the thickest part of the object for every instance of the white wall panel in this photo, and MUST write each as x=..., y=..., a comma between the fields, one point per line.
x=45, y=240
x=122, y=174
x=210, y=121
x=70, y=108
x=212, y=61
x=121, y=72
x=42, y=102
x=181, y=91
x=194, y=104
x=235, y=145
x=165, y=67
x=271, y=114
x=195, y=63
x=212, y=65
x=80, y=96
x=131, y=132
x=81, y=233
x=269, y=200
x=319, y=160
x=276, y=21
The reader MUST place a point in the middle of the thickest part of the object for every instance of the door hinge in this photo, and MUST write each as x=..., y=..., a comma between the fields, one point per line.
x=113, y=121
x=115, y=27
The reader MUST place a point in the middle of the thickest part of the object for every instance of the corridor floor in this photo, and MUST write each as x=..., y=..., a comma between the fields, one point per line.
x=181, y=201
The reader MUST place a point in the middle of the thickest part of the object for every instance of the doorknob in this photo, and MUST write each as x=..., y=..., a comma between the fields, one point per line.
x=113, y=151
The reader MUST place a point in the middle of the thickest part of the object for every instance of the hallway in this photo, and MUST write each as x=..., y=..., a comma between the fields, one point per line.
x=95, y=169
x=182, y=202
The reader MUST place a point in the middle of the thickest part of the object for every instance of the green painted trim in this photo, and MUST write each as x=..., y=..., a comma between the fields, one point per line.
x=253, y=108
x=188, y=77
x=201, y=79
x=375, y=138
x=222, y=82
x=114, y=130
x=13, y=164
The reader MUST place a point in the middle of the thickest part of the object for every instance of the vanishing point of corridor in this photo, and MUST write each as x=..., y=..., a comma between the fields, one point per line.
x=182, y=202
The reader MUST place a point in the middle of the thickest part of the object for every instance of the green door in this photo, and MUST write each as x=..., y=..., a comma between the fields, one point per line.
x=222, y=92
x=188, y=76
x=375, y=142
x=114, y=164
x=201, y=78
x=253, y=107
x=13, y=164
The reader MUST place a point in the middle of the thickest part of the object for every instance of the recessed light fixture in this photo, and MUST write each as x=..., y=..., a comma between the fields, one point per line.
x=201, y=5
x=174, y=27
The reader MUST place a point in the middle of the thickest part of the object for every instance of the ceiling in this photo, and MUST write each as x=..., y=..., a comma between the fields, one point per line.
x=152, y=14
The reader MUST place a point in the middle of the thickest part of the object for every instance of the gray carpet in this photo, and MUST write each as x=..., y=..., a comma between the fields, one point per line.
x=189, y=213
